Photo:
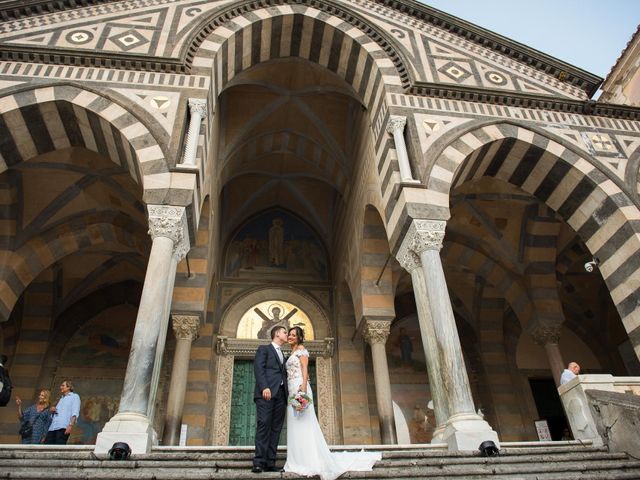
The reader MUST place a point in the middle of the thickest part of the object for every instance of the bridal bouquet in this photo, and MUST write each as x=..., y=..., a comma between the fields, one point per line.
x=300, y=401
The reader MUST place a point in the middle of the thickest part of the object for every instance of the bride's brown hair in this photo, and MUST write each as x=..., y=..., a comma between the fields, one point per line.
x=299, y=333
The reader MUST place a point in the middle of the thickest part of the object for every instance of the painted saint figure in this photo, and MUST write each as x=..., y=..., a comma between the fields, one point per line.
x=276, y=243
x=269, y=323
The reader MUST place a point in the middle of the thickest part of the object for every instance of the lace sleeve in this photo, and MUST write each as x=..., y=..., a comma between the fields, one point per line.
x=301, y=353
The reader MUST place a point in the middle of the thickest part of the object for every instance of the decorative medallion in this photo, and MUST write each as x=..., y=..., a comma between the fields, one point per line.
x=79, y=37
x=129, y=40
x=455, y=71
x=495, y=78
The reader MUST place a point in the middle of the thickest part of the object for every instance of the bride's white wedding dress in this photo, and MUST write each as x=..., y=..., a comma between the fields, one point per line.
x=307, y=450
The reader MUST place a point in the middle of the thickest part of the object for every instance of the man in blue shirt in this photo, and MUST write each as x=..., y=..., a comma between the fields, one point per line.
x=571, y=372
x=65, y=415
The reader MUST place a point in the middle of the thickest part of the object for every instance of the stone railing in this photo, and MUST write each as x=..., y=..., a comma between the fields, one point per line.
x=593, y=416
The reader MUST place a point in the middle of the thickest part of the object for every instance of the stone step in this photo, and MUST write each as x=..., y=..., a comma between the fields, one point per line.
x=525, y=461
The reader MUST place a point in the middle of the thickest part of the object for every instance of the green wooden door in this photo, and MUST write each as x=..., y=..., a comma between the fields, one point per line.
x=242, y=430
x=243, y=409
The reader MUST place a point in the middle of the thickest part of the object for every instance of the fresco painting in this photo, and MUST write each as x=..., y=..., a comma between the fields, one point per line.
x=276, y=244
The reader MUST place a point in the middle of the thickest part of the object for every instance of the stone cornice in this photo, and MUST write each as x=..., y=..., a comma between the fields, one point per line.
x=14, y=9
x=246, y=348
x=121, y=61
x=515, y=99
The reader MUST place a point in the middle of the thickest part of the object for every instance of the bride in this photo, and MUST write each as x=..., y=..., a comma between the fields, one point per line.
x=307, y=450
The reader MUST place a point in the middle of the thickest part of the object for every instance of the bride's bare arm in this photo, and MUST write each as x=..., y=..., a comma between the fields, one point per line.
x=304, y=366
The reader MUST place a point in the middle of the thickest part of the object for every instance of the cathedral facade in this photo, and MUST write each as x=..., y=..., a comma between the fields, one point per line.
x=445, y=212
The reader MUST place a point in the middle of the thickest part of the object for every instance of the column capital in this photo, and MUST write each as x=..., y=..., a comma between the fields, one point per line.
x=544, y=333
x=198, y=106
x=170, y=222
x=422, y=235
x=186, y=327
x=396, y=122
x=376, y=331
x=408, y=259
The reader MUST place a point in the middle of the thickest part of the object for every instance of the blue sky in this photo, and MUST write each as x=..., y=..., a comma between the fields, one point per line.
x=588, y=34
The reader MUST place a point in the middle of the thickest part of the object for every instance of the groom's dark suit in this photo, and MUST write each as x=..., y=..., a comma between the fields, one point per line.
x=270, y=373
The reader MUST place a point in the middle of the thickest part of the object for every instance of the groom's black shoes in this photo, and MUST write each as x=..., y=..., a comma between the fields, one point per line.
x=256, y=469
x=274, y=469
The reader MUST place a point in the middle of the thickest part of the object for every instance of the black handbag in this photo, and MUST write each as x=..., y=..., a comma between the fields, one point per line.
x=26, y=429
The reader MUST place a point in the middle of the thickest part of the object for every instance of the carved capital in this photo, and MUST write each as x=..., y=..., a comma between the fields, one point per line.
x=427, y=235
x=329, y=347
x=408, y=259
x=198, y=106
x=222, y=347
x=422, y=235
x=544, y=333
x=170, y=222
x=396, y=123
x=186, y=327
x=376, y=331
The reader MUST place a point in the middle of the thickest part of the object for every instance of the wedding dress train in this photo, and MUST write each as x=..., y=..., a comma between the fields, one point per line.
x=307, y=450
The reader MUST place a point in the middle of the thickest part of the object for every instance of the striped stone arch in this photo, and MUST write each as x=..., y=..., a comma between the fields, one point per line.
x=566, y=180
x=25, y=264
x=323, y=34
x=495, y=275
x=43, y=119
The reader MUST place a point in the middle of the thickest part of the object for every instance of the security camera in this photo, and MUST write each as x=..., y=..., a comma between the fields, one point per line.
x=589, y=266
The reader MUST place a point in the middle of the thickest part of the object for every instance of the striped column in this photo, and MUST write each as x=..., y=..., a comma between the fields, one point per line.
x=133, y=422
x=376, y=333
x=465, y=429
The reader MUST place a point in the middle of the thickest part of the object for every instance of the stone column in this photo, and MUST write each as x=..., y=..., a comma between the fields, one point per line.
x=396, y=128
x=547, y=335
x=186, y=329
x=132, y=423
x=198, y=111
x=411, y=262
x=376, y=333
x=465, y=429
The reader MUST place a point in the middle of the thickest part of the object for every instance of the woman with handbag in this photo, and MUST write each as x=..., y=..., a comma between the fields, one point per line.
x=35, y=420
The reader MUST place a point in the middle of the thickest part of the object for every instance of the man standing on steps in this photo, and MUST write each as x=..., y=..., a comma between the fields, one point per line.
x=65, y=415
x=270, y=396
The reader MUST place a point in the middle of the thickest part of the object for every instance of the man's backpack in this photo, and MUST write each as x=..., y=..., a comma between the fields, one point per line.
x=5, y=393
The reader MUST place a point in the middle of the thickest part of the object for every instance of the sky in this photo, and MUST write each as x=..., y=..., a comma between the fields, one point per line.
x=588, y=34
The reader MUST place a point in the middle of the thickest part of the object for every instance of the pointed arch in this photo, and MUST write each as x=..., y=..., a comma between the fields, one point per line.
x=603, y=215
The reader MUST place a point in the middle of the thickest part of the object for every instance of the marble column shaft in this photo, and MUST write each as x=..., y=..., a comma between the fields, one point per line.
x=396, y=128
x=442, y=344
x=198, y=111
x=376, y=333
x=170, y=238
x=429, y=344
x=186, y=329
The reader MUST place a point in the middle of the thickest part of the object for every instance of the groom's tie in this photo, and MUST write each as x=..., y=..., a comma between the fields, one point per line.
x=280, y=355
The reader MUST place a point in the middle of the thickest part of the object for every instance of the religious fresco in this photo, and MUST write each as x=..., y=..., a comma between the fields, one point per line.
x=95, y=360
x=276, y=244
x=258, y=321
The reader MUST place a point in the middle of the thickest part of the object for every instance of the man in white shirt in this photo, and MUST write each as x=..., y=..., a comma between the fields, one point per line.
x=65, y=415
x=572, y=370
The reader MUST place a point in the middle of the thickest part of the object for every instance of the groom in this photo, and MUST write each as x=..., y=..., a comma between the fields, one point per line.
x=270, y=396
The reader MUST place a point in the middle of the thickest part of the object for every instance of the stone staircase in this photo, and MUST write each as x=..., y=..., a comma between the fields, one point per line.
x=517, y=461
